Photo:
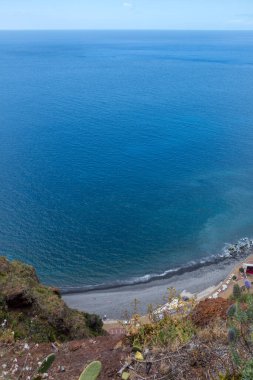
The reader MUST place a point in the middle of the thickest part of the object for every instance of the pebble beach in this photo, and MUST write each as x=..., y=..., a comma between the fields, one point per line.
x=115, y=302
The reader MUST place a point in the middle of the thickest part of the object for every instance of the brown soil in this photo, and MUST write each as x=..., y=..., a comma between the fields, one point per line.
x=71, y=358
x=209, y=310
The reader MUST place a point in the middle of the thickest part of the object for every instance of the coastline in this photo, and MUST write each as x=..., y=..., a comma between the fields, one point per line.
x=115, y=302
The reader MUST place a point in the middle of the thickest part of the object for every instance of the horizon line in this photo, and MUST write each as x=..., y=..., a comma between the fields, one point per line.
x=124, y=30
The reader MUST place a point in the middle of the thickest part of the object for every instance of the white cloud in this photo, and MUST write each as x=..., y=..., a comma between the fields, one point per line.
x=127, y=4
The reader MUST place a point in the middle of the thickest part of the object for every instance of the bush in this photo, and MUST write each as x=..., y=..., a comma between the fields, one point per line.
x=7, y=336
x=94, y=322
x=247, y=373
x=170, y=331
x=240, y=321
x=236, y=292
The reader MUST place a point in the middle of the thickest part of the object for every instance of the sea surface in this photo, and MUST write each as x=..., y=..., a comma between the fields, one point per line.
x=124, y=154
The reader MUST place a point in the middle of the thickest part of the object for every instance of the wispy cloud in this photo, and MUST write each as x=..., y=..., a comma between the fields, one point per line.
x=243, y=19
x=127, y=4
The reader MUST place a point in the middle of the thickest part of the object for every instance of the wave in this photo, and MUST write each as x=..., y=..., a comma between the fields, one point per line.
x=241, y=249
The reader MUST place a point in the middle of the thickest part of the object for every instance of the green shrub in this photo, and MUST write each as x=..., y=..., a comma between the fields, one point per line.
x=247, y=373
x=240, y=337
x=94, y=322
x=167, y=332
x=236, y=292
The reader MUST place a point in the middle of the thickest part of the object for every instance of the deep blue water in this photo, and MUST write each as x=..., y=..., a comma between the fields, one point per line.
x=123, y=153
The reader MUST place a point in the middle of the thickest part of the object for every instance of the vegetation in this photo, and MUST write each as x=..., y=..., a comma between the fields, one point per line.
x=92, y=371
x=163, y=329
x=44, y=367
x=169, y=332
x=240, y=334
x=211, y=339
x=31, y=310
x=216, y=343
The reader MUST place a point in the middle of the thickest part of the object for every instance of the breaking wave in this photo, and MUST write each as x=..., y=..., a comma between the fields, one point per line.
x=241, y=249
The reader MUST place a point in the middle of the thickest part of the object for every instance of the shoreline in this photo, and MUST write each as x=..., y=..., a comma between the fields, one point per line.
x=115, y=302
x=148, y=280
x=232, y=252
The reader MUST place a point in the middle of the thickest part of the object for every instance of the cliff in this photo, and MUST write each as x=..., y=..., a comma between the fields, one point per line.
x=31, y=310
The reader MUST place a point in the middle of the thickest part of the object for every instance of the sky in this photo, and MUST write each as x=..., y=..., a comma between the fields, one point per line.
x=127, y=14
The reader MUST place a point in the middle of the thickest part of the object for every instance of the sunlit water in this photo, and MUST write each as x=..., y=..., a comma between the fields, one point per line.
x=124, y=154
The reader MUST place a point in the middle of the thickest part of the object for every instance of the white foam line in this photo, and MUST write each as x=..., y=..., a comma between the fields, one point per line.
x=238, y=250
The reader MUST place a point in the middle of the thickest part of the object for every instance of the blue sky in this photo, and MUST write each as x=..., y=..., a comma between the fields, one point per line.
x=126, y=14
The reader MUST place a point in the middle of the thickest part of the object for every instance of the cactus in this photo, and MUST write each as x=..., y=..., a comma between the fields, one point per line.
x=232, y=335
x=92, y=371
x=139, y=356
x=46, y=364
x=231, y=311
x=237, y=292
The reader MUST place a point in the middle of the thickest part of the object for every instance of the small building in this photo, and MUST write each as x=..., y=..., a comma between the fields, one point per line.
x=248, y=267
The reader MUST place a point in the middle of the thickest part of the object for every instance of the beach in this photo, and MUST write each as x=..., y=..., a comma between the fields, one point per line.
x=115, y=302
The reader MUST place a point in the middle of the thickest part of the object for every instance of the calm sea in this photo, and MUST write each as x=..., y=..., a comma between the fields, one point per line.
x=124, y=154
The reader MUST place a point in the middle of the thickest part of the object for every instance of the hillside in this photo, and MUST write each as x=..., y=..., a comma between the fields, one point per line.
x=211, y=339
x=30, y=309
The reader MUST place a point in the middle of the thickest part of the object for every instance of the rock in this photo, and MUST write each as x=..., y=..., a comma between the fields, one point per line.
x=74, y=346
x=4, y=265
x=55, y=291
x=54, y=347
x=118, y=345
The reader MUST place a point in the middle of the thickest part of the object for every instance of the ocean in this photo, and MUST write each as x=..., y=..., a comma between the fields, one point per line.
x=124, y=154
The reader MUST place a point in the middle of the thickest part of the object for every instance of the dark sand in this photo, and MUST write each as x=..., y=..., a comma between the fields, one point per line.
x=114, y=302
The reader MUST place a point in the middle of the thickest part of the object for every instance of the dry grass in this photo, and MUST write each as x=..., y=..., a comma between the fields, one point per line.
x=216, y=331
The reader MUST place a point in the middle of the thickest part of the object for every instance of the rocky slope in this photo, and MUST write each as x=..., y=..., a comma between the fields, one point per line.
x=208, y=340
x=204, y=355
x=19, y=360
x=30, y=309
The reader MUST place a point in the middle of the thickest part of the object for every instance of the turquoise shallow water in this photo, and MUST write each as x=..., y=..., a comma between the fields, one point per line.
x=124, y=154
